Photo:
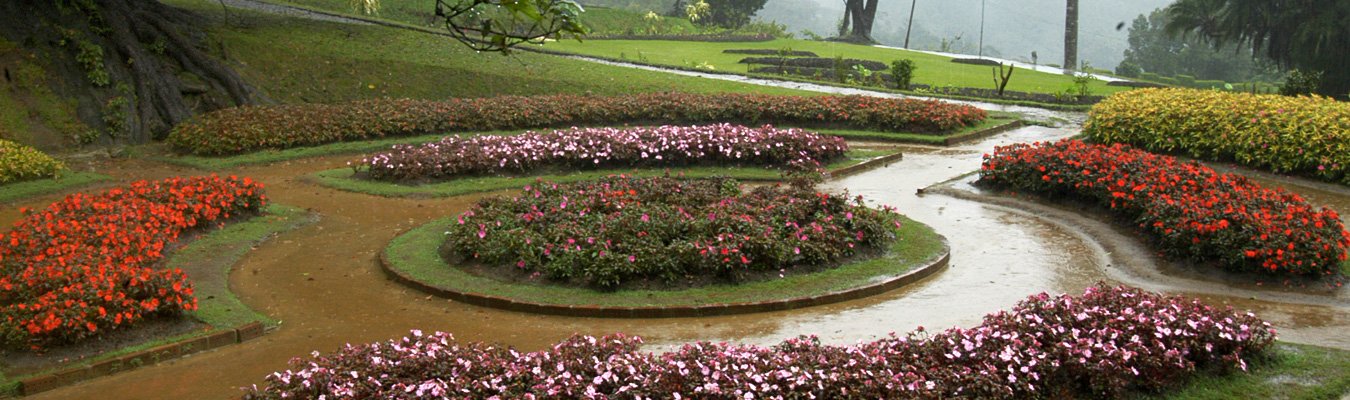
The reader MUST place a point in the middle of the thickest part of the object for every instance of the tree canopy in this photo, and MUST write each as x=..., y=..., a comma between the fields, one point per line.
x=1153, y=50
x=1306, y=34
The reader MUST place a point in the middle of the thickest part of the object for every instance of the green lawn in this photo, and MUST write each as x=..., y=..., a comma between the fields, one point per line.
x=297, y=61
x=13, y=192
x=1292, y=371
x=932, y=69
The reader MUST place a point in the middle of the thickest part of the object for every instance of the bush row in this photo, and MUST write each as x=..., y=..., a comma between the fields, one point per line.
x=244, y=129
x=771, y=52
x=87, y=264
x=605, y=147
x=817, y=62
x=1190, y=210
x=621, y=229
x=21, y=163
x=1107, y=343
x=1301, y=135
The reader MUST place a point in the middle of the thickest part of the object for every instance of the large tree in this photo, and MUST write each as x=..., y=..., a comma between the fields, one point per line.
x=138, y=67
x=1306, y=34
x=1153, y=50
x=731, y=14
x=1071, y=35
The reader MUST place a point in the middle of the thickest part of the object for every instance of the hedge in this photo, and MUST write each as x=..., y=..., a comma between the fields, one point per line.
x=1299, y=135
x=245, y=129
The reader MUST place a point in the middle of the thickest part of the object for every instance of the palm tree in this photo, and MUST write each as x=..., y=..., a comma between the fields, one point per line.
x=1071, y=35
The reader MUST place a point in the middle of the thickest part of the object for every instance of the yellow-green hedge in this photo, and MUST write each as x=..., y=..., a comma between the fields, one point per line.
x=21, y=163
x=1300, y=135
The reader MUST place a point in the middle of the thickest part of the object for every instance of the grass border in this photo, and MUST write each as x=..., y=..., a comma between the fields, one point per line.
x=413, y=258
x=343, y=178
x=231, y=321
x=15, y=192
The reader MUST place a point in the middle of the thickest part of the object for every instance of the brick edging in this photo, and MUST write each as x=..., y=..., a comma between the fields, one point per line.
x=932, y=266
x=211, y=340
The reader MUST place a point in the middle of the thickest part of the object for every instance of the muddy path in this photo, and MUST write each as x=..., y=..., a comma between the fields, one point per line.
x=323, y=282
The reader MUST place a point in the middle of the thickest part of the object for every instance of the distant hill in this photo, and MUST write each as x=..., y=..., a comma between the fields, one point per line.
x=1013, y=28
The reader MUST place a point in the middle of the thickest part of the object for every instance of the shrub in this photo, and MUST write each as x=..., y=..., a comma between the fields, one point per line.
x=1129, y=70
x=237, y=130
x=22, y=163
x=605, y=147
x=1301, y=135
x=87, y=264
x=903, y=72
x=1186, y=80
x=1301, y=82
x=1210, y=84
x=621, y=229
x=1106, y=343
x=1189, y=210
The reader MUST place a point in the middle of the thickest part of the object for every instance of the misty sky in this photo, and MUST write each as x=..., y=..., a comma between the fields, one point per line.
x=1013, y=28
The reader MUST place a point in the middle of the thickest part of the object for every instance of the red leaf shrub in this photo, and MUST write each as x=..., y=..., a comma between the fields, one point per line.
x=86, y=264
x=1105, y=343
x=605, y=147
x=619, y=229
x=1190, y=210
x=244, y=129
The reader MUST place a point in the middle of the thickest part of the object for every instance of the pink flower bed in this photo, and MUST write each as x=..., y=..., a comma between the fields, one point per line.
x=605, y=147
x=1105, y=343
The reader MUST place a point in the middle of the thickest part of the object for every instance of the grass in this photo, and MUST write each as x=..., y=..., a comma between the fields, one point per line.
x=932, y=69
x=415, y=254
x=345, y=179
x=597, y=19
x=1292, y=371
x=14, y=192
x=297, y=61
x=208, y=261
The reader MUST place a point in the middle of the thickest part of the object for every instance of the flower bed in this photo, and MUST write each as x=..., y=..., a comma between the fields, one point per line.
x=86, y=264
x=1105, y=343
x=1302, y=135
x=22, y=163
x=620, y=229
x=817, y=62
x=603, y=148
x=1190, y=210
x=244, y=129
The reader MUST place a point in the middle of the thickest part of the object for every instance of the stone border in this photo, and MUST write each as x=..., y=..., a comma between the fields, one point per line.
x=865, y=166
x=208, y=341
x=913, y=275
x=973, y=136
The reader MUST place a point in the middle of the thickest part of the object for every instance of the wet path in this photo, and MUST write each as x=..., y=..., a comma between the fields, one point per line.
x=323, y=282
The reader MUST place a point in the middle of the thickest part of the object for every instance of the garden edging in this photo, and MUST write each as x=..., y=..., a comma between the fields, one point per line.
x=200, y=343
x=928, y=268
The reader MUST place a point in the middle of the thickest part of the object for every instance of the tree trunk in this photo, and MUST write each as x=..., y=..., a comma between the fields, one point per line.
x=860, y=14
x=136, y=67
x=1071, y=36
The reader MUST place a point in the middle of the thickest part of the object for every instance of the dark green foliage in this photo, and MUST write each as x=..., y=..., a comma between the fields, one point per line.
x=903, y=72
x=731, y=14
x=1152, y=49
x=1311, y=35
x=1128, y=69
x=1301, y=82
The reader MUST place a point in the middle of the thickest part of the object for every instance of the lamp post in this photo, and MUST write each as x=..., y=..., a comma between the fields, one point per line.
x=981, y=28
x=910, y=26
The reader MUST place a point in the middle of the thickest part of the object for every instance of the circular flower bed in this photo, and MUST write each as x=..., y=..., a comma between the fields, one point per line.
x=1103, y=344
x=1191, y=211
x=605, y=147
x=619, y=230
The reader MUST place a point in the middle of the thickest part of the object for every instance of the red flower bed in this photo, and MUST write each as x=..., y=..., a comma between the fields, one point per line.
x=1191, y=211
x=1107, y=343
x=86, y=264
x=244, y=129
